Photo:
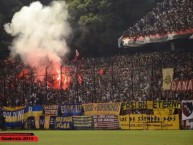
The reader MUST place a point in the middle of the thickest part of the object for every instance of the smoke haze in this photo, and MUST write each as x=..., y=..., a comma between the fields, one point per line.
x=39, y=33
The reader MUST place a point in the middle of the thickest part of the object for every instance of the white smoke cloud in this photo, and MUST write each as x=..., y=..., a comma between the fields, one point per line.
x=40, y=33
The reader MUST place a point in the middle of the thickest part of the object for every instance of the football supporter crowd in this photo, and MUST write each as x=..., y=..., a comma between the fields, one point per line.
x=166, y=17
x=113, y=79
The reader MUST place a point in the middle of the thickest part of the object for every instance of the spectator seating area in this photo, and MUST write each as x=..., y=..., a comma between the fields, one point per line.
x=112, y=79
x=168, y=16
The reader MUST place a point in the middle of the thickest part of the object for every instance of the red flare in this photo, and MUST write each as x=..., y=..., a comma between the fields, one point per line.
x=24, y=72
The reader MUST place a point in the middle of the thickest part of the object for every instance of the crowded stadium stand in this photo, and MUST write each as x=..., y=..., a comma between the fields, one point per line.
x=170, y=19
x=159, y=41
x=114, y=79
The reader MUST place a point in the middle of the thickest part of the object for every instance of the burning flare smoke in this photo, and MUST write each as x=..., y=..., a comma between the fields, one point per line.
x=39, y=34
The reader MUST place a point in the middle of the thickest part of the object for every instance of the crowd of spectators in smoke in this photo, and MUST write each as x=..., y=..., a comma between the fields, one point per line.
x=113, y=79
x=167, y=16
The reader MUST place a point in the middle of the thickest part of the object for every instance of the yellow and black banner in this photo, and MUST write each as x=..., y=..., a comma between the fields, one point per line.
x=136, y=105
x=156, y=104
x=149, y=122
x=124, y=121
x=44, y=122
x=15, y=117
x=161, y=104
x=102, y=108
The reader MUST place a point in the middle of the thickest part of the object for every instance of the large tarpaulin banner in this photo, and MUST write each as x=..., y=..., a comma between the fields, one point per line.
x=82, y=122
x=148, y=122
x=17, y=117
x=182, y=85
x=43, y=122
x=156, y=38
x=187, y=109
x=167, y=74
x=102, y=108
x=51, y=110
x=105, y=121
x=71, y=109
x=161, y=104
x=63, y=123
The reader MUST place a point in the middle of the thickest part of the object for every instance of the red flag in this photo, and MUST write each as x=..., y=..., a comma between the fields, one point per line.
x=101, y=71
x=76, y=55
x=80, y=80
x=24, y=72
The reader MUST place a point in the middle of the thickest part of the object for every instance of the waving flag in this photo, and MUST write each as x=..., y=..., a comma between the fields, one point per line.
x=102, y=71
x=167, y=74
x=80, y=80
x=76, y=55
x=24, y=72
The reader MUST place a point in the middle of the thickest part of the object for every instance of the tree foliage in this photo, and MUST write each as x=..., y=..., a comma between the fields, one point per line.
x=98, y=24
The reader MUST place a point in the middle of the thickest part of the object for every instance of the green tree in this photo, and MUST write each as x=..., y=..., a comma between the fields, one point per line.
x=98, y=24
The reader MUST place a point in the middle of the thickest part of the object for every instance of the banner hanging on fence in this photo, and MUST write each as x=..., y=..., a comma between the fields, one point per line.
x=105, y=121
x=82, y=122
x=71, y=109
x=51, y=110
x=156, y=38
x=167, y=74
x=156, y=104
x=17, y=117
x=102, y=108
x=44, y=122
x=187, y=109
x=182, y=85
x=148, y=122
x=63, y=123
